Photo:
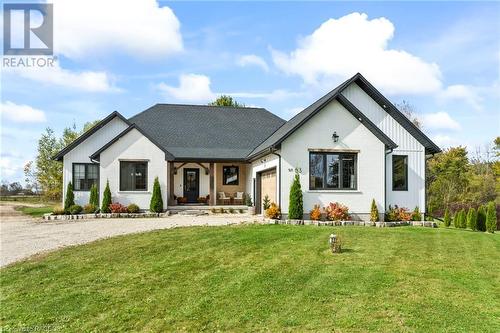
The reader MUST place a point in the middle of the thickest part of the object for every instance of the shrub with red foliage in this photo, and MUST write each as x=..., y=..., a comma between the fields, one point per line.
x=337, y=212
x=118, y=208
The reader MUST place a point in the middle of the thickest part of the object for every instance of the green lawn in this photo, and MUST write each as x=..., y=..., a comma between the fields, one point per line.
x=262, y=278
x=35, y=211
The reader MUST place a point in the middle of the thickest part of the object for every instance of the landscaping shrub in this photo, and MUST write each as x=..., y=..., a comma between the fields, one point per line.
x=462, y=221
x=374, y=212
x=296, y=205
x=248, y=200
x=223, y=211
x=214, y=211
x=94, y=196
x=116, y=207
x=69, y=200
x=273, y=212
x=447, y=218
x=202, y=200
x=397, y=214
x=416, y=215
x=231, y=210
x=106, y=199
x=315, y=213
x=337, y=212
x=472, y=219
x=241, y=211
x=491, y=217
x=58, y=211
x=90, y=209
x=133, y=208
x=481, y=218
x=156, y=204
x=75, y=209
x=266, y=202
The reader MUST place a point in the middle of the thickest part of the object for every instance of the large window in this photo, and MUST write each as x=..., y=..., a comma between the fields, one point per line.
x=84, y=176
x=332, y=171
x=399, y=173
x=230, y=175
x=133, y=176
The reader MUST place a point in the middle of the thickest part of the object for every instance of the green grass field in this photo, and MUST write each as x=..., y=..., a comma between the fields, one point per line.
x=35, y=211
x=262, y=278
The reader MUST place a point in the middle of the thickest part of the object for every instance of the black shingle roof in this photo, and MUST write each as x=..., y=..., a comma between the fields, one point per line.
x=207, y=132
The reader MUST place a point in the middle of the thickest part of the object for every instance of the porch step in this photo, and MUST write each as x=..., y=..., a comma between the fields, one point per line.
x=192, y=212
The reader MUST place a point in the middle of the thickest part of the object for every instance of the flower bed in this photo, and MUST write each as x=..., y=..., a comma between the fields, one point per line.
x=53, y=217
x=352, y=223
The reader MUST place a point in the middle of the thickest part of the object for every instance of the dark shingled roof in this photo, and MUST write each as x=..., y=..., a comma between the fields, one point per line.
x=207, y=132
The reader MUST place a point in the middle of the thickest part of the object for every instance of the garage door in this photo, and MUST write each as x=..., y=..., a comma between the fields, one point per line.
x=268, y=185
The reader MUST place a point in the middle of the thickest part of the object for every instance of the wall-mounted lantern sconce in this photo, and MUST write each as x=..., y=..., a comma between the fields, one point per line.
x=335, y=137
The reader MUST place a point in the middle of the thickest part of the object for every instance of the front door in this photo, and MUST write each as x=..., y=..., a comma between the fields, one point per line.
x=192, y=185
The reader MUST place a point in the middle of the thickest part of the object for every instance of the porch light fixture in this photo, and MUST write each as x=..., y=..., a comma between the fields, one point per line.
x=335, y=137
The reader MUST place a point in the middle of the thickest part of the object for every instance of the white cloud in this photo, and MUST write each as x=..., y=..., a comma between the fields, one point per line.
x=81, y=80
x=21, y=113
x=460, y=92
x=439, y=121
x=341, y=47
x=141, y=28
x=192, y=88
x=253, y=60
x=275, y=95
x=445, y=141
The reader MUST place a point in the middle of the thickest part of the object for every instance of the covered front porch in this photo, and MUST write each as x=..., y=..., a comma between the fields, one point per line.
x=200, y=184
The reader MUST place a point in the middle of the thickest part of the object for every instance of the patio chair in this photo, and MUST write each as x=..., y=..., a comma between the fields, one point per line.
x=223, y=198
x=238, y=199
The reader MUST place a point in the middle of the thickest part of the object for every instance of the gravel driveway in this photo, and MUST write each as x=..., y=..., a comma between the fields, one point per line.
x=22, y=236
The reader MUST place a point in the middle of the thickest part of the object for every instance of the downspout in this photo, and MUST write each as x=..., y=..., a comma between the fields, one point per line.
x=279, y=175
x=387, y=152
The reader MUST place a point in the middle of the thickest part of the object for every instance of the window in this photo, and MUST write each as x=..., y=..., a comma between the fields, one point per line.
x=399, y=173
x=332, y=171
x=230, y=175
x=84, y=176
x=133, y=176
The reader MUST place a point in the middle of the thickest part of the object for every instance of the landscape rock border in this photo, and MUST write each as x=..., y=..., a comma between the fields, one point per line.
x=354, y=223
x=52, y=217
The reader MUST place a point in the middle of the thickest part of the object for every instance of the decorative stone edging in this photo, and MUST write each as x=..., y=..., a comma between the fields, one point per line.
x=352, y=223
x=52, y=217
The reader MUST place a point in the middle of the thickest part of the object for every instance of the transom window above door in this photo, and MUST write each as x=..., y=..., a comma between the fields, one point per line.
x=84, y=176
x=332, y=171
x=133, y=176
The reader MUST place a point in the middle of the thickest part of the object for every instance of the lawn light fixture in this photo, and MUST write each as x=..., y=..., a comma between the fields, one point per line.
x=335, y=137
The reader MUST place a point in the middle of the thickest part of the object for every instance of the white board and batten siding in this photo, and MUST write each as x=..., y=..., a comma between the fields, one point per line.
x=407, y=145
x=81, y=153
x=133, y=146
x=316, y=134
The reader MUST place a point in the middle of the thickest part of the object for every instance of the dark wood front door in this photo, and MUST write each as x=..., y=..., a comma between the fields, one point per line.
x=192, y=185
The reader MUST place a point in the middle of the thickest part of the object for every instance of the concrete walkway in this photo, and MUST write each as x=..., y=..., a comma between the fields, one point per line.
x=22, y=236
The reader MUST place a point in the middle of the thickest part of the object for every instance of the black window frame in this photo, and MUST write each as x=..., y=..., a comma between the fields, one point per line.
x=340, y=175
x=145, y=177
x=224, y=176
x=86, y=173
x=405, y=187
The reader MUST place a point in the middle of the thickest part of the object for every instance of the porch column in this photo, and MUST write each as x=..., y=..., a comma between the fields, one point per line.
x=212, y=185
x=171, y=200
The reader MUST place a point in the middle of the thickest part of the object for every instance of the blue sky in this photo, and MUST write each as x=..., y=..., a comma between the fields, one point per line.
x=444, y=58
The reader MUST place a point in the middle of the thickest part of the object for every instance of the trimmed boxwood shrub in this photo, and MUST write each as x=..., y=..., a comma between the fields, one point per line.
x=133, y=208
x=69, y=200
x=156, y=204
x=447, y=218
x=491, y=217
x=75, y=209
x=106, y=199
x=296, y=205
x=90, y=209
x=374, y=212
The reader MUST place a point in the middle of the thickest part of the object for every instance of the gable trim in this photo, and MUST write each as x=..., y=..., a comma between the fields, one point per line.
x=96, y=156
x=59, y=156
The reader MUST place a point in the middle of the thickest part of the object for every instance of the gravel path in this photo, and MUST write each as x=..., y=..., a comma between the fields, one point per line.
x=22, y=236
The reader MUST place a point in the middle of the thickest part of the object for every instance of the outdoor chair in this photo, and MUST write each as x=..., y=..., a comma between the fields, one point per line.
x=223, y=198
